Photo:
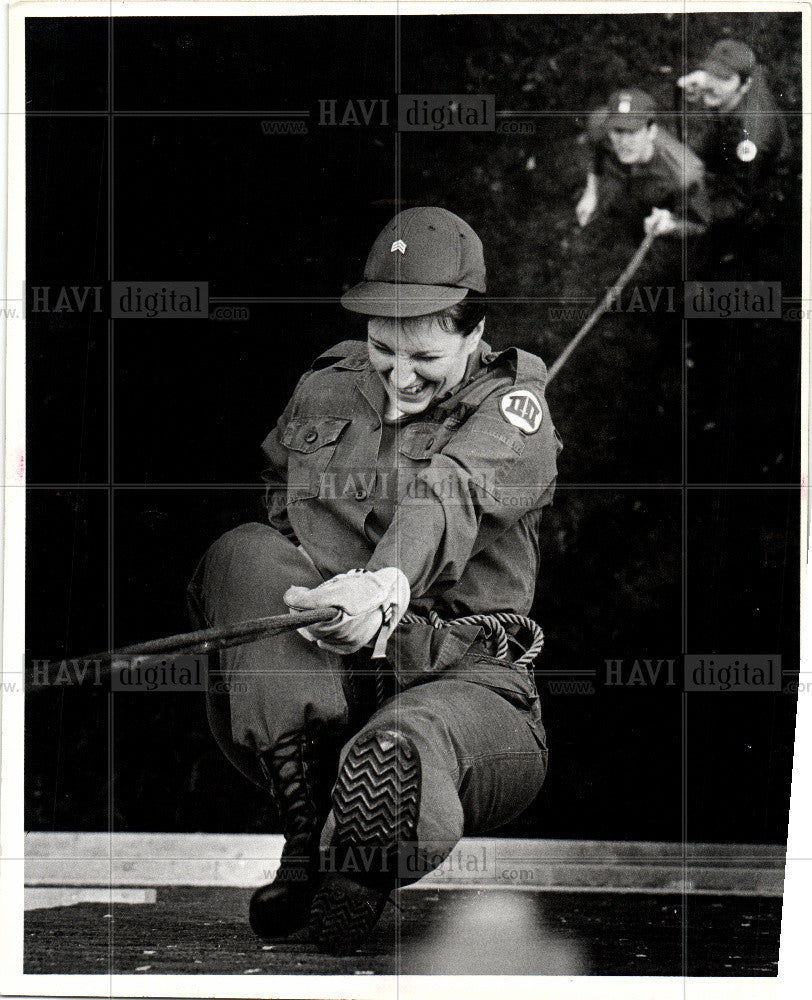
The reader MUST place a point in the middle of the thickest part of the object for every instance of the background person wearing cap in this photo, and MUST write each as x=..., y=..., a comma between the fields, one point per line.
x=407, y=472
x=741, y=138
x=640, y=173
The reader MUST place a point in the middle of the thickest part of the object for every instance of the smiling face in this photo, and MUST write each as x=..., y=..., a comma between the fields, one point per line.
x=633, y=143
x=418, y=360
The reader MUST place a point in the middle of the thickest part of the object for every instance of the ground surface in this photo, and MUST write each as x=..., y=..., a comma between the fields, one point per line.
x=203, y=930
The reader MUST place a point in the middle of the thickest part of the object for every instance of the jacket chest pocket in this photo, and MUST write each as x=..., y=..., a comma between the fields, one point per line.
x=311, y=444
x=657, y=192
x=419, y=441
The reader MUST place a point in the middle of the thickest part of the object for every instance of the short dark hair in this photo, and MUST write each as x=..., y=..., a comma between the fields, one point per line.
x=461, y=318
x=466, y=315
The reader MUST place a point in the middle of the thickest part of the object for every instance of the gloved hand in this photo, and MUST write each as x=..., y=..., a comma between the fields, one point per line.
x=588, y=202
x=661, y=222
x=693, y=84
x=585, y=208
x=371, y=604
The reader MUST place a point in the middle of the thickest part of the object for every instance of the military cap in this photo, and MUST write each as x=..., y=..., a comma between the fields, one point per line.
x=425, y=260
x=630, y=106
x=728, y=58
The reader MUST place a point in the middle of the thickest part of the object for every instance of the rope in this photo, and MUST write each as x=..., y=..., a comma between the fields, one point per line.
x=380, y=683
x=495, y=623
x=603, y=305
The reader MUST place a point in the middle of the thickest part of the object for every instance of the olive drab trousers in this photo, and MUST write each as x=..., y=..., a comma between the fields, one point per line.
x=475, y=724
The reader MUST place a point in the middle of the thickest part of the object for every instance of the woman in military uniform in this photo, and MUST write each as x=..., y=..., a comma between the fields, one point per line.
x=405, y=484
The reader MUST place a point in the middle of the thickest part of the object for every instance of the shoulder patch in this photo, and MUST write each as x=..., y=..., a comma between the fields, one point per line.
x=522, y=408
x=746, y=150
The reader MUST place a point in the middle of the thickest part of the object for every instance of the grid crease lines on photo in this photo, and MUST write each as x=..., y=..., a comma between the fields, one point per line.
x=197, y=389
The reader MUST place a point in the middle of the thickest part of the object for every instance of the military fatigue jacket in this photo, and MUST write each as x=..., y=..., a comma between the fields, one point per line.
x=673, y=178
x=452, y=496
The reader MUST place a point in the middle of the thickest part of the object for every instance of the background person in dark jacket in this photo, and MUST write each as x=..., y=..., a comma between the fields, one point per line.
x=734, y=124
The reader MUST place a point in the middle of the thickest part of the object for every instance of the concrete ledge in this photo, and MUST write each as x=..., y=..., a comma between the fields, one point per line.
x=245, y=860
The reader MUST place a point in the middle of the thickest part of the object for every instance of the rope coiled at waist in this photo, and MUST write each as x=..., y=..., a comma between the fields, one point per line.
x=495, y=623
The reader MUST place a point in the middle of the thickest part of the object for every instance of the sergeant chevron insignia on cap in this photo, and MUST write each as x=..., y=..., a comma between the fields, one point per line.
x=522, y=409
x=398, y=245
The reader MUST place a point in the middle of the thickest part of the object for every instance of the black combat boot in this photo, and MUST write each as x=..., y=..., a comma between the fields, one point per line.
x=299, y=771
x=376, y=803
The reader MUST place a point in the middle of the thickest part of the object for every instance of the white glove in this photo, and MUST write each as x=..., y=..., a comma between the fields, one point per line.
x=585, y=208
x=693, y=84
x=587, y=203
x=370, y=603
x=660, y=222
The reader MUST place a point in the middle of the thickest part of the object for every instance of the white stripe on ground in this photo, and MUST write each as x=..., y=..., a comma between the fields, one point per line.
x=427, y=886
x=245, y=860
x=47, y=897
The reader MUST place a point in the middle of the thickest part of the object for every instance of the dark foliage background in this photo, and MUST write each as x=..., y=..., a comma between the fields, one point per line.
x=675, y=526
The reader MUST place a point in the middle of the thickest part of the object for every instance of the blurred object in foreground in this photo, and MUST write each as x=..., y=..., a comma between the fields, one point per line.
x=494, y=933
